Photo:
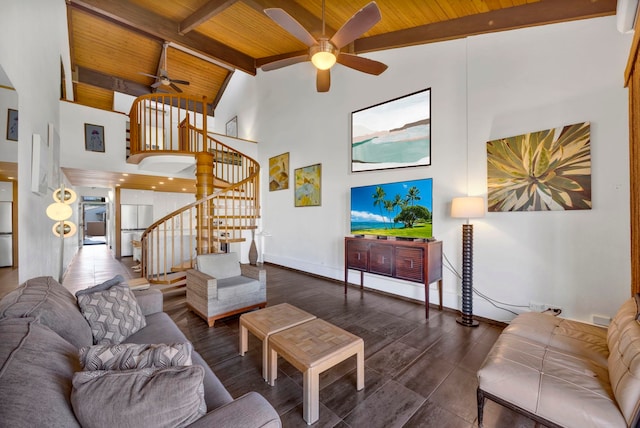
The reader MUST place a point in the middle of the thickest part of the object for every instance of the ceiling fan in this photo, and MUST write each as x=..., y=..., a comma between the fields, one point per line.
x=325, y=52
x=163, y=79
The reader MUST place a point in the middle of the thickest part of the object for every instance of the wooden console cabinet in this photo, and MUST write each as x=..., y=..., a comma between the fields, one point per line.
x=408, y=260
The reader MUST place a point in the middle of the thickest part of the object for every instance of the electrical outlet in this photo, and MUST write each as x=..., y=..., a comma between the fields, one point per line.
x=537, y=307
x=601, y=320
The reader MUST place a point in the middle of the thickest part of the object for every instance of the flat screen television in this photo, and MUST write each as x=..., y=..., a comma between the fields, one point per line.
x=403, y=209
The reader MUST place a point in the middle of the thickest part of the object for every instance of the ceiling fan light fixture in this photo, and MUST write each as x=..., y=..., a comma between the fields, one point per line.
x=323, y=55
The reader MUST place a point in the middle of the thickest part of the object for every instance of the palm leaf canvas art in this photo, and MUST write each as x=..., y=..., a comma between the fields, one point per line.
x=541, y=171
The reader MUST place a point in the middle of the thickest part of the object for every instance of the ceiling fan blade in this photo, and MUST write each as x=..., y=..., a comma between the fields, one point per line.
x=181, y=82
x=149, y=75
x=292, y=26
x=157, y=84
x=359, y=63
x=323, y=80
x=175, y=88
x=284, y=62
x=357, y=25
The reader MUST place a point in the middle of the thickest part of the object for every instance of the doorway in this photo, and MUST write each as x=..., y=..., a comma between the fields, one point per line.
x=94, y=221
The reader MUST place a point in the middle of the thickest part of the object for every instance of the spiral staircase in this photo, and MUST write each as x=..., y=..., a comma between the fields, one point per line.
x=227, y=202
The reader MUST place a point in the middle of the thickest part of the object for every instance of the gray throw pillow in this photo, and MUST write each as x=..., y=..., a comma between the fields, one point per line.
x=113, y=314
x=116, y=280
x=126, y=356
x=169, y=397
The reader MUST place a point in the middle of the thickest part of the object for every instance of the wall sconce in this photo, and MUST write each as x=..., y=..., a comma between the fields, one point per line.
x=60, y=211
x=467, y=207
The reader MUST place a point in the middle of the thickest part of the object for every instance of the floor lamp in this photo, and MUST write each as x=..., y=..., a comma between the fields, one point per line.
x=60, y=211
x=467, y=207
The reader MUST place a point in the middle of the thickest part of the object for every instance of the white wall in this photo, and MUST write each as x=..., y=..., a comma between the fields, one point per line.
x=33, y=39
x=484, y=87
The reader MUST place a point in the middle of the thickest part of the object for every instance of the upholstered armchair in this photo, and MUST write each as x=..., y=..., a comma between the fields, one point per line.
x=220, y=286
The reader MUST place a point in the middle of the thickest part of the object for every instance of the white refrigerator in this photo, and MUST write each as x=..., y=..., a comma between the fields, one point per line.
x=134, y=220
x=6, y=234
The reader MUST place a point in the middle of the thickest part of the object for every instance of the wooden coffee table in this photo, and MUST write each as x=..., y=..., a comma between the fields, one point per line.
x=267, y=321
x=313, y=347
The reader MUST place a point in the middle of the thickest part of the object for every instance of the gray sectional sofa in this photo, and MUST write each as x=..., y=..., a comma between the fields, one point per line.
x=41, y=332
x=565, y=373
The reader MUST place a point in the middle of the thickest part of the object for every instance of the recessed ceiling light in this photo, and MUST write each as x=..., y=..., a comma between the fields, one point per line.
x=153, y=187
x=170, y=178
x=122, y=179
x=125, y=174
x=161, y=182
x=118, y=185
x=184, y=189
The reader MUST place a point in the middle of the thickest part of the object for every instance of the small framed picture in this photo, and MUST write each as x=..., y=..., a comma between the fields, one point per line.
x=93, y=138
x=12, y=125
x=279, y=172
x=232, y=127
x=308, y=186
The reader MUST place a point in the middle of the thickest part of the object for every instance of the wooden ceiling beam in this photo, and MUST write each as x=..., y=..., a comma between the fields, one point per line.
x=109, y=82
x=532, y=14
x=206, y=12
x=308, y=20
x=130, y=15
x=269, y=59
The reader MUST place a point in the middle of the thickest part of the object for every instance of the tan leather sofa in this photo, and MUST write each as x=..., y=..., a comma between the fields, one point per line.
x=565, y=373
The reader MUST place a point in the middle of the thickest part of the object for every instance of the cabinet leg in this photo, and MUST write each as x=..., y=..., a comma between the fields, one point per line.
x=426, y=301
x=440, y=294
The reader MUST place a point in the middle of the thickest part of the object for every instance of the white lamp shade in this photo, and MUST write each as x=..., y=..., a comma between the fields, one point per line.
x=467, y=207
x=323, y=60
x=58, y=211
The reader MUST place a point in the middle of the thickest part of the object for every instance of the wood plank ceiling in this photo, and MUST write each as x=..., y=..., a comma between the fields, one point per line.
x=113, y=42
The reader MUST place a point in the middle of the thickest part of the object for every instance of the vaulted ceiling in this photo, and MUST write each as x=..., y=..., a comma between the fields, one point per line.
x=114, y=41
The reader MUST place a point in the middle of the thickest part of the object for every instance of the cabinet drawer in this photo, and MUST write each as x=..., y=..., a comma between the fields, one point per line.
x=409, y=264
x=381, y=261
x=358, y=255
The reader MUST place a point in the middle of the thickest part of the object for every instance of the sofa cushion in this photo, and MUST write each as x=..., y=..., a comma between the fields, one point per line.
x=219, y=265
x=113, y=314
x=237, y=286
x=36, y=368
x=52, y=305
x=624, y=359
x=126, y=356
x=574, y=337
x=560, y=387
x=161, y=329
x=167, y=397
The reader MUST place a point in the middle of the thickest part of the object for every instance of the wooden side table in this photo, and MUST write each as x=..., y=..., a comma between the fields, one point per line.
x=267, y=321
x=313, y=347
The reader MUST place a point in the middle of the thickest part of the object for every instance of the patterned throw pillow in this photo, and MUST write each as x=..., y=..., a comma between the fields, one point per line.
x=126, y=356
x=113, y=314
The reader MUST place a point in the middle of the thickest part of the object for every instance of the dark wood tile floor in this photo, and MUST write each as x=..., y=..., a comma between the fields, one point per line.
x=418, y=373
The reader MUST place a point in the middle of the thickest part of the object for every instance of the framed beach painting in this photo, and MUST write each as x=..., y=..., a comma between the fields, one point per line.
x=308, y=186
x=392, y=134
x=279, y=172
